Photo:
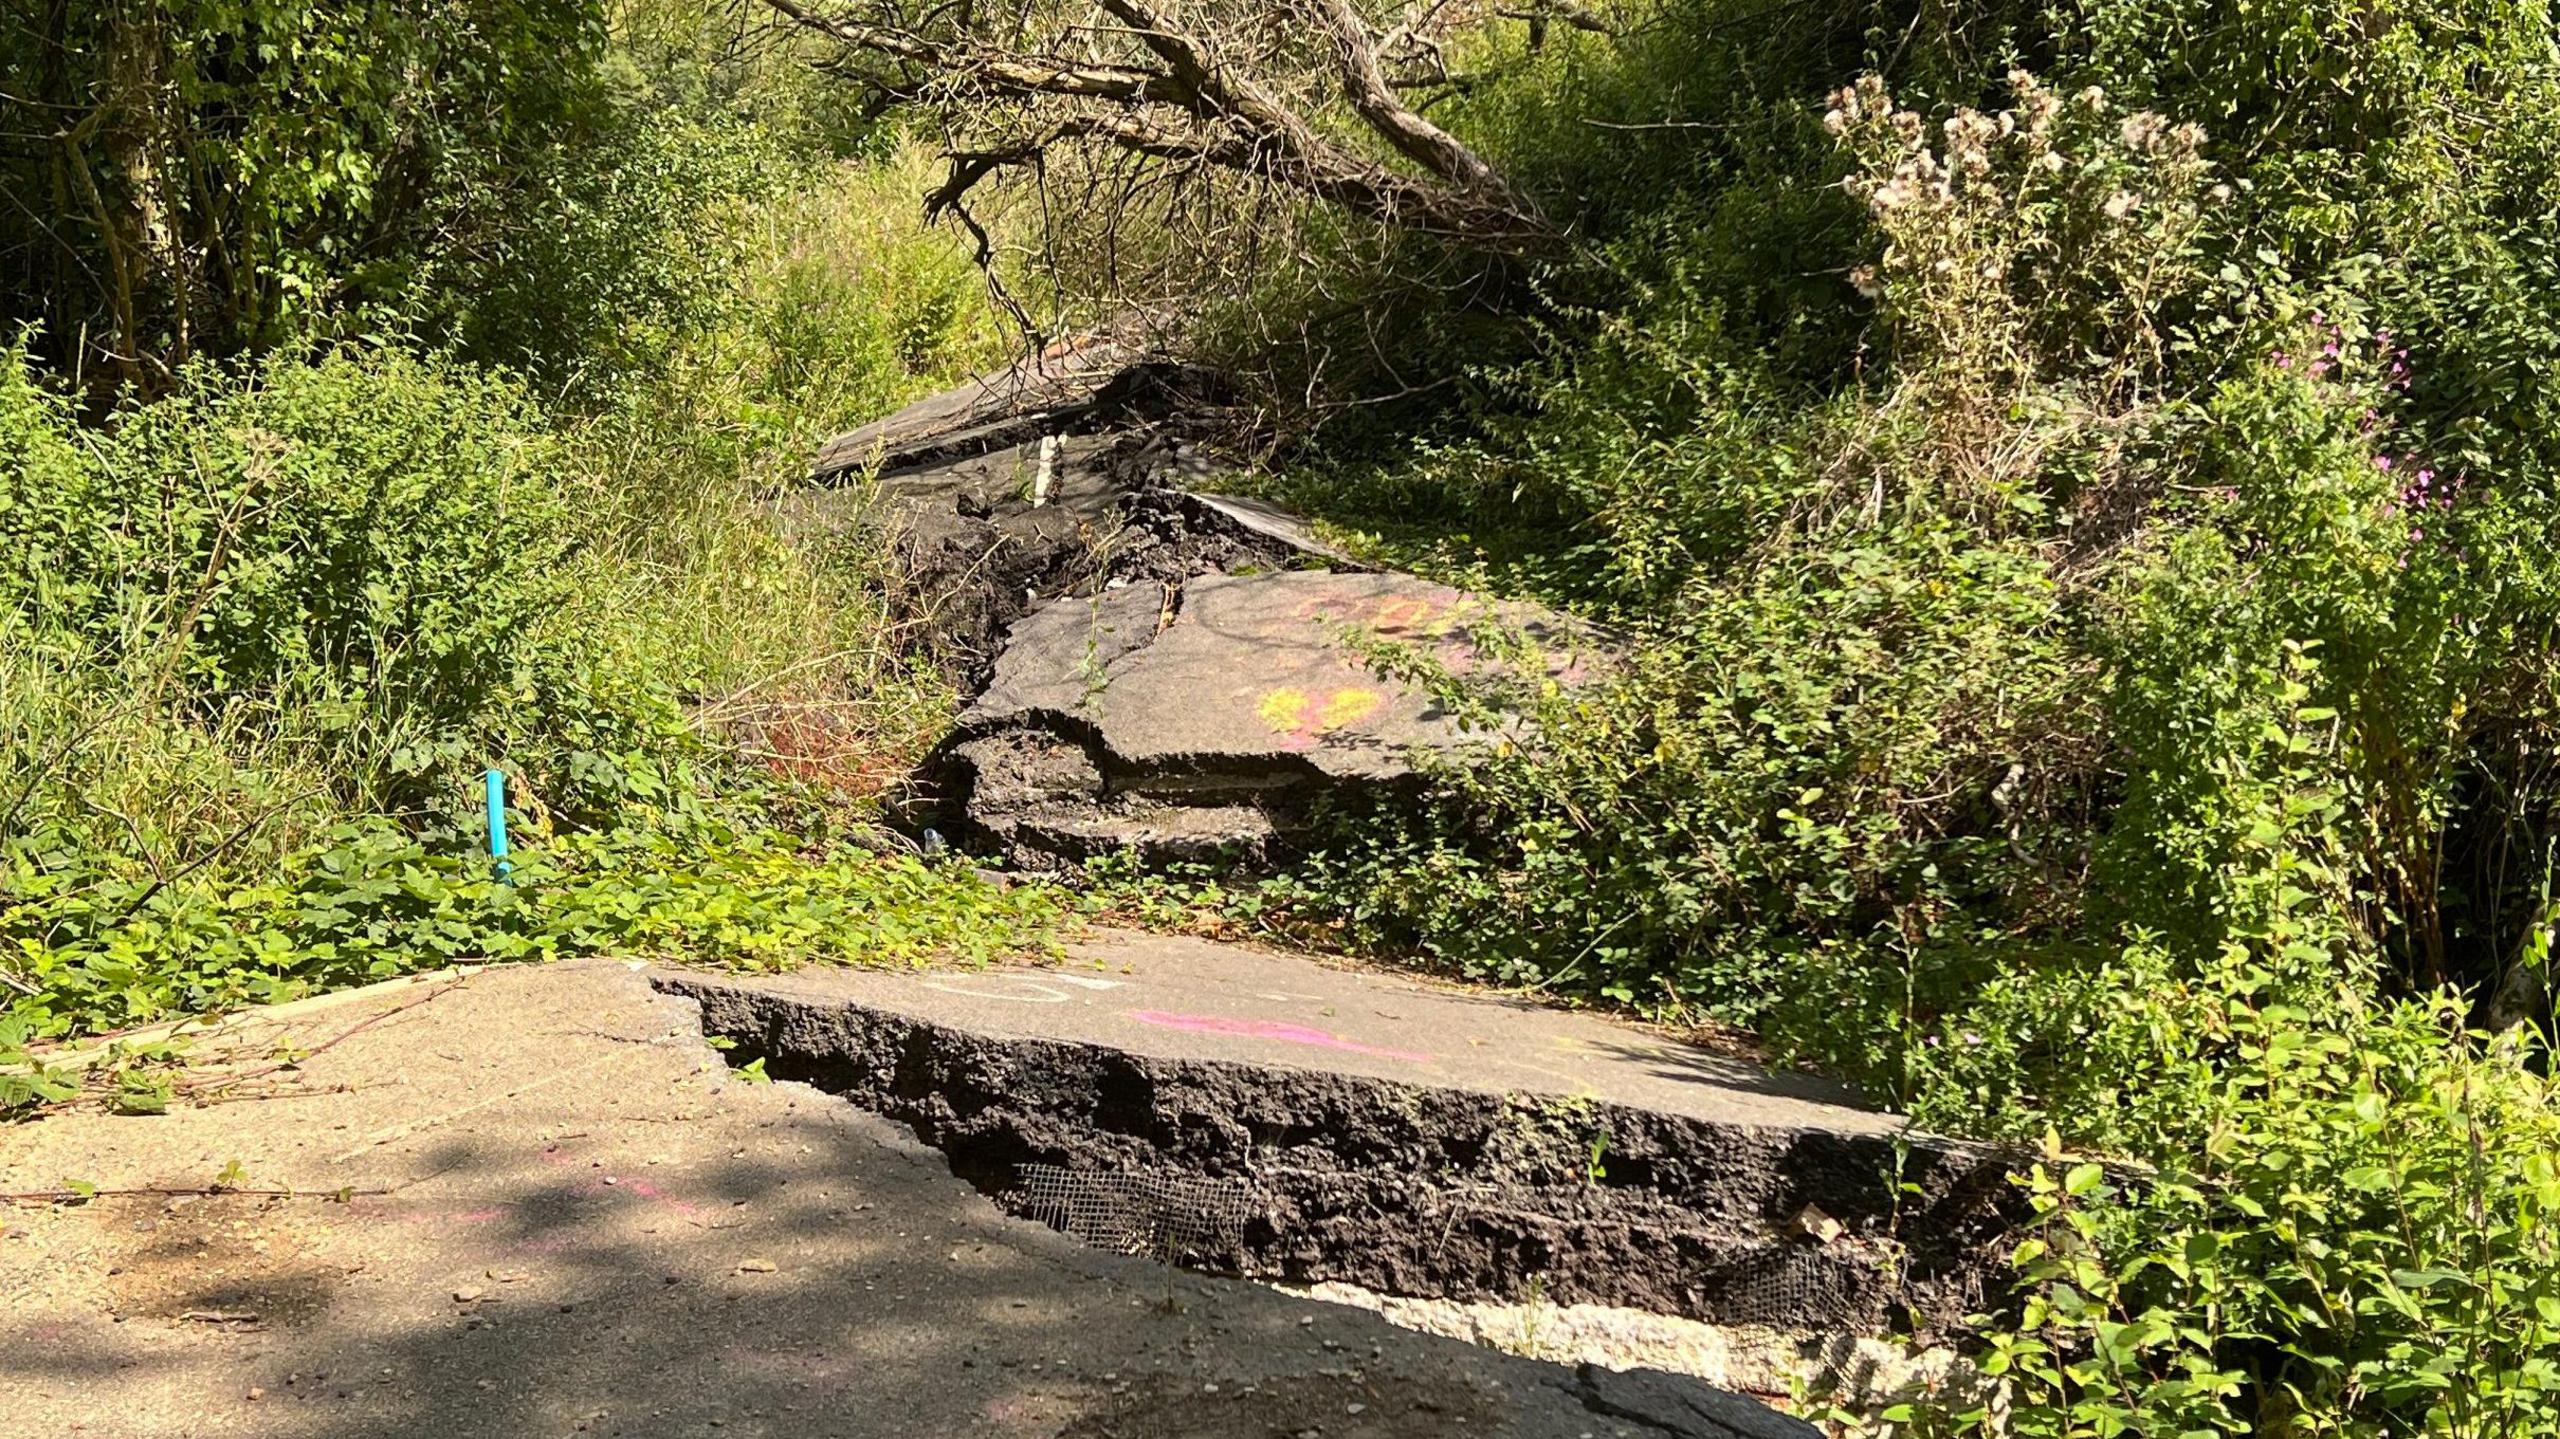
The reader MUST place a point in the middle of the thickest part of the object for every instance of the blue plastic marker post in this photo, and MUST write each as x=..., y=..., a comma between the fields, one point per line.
x=498, y=823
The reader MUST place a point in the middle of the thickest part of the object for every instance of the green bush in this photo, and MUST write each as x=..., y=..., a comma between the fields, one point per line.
x=624, y=244
x=2364, y=1240
x=263, y=635
x=2105, y=695
x=373, y=554
x=375, y=519
x=1949, y=685
x=838, y=303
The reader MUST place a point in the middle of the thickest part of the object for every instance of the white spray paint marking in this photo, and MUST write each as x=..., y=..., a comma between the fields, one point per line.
x=1020, y=989
x=1087, y=981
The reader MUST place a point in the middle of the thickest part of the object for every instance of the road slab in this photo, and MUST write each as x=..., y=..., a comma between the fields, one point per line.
x=1178, y=997
x=1407, y=1138
x=530, y=1201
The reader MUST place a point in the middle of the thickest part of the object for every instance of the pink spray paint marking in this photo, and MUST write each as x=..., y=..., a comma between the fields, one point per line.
x=646, y=1190
x=1268, y=1029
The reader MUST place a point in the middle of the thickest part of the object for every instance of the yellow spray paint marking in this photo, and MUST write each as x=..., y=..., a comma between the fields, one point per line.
x=1348, y=707
x=1283, y=708
x=1413, y=616
x=1294, y=714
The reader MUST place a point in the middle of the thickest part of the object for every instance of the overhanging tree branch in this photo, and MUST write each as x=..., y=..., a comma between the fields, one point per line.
x=1416, y=138
x=1020, y=74
x=1175, y=94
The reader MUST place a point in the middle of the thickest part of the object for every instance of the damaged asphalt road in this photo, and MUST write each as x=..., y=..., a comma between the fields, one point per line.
x=1401, y=1137
x=1158, y=668
x=589, y=1226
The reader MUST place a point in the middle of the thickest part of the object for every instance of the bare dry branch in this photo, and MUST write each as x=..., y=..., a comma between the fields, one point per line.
x=1194, y=106
x=1577, y=16
x=1414, y=137
x=1031, y=74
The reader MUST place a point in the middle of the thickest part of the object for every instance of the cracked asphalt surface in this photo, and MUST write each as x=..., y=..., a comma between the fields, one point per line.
x=531, y=1201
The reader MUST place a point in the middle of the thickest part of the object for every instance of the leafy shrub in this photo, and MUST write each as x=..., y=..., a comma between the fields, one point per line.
x=621, y=246
x=259, y=634
x=838, y=303
x=2105, y=704
x=1948, y=730
x=1749, y=793
x=2361, y=1242
x=369, y=551
x=2421, y=600
x=376, y=519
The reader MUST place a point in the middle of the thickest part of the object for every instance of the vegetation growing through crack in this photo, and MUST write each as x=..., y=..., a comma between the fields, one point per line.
x=2077, y=483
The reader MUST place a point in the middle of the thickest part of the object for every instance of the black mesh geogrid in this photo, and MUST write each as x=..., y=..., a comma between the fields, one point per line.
x=1135, y=1212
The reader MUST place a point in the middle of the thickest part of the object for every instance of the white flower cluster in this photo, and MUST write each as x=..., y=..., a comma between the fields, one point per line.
x=1913, y=174
x=2148, y=132
x=1981, y=211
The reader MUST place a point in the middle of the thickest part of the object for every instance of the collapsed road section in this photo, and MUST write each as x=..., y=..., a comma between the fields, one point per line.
x=1402, y=1138
x=1157, y=667
x=1061, y=475
x=1206, y=720
x=526, y=1200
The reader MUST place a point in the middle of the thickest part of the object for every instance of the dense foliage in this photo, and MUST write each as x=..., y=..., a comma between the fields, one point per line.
x=2076, y=489
x=265, y=620
x=2075, y=486
x=200, y=178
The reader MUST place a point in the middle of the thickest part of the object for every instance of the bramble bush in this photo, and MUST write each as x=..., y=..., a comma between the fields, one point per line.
x=2363, y=1242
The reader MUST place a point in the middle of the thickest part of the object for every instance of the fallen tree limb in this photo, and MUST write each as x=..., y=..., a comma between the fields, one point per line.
x=1414, y=137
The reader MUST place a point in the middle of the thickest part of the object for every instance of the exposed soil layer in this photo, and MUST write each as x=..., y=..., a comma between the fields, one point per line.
x=1416, y=1190
x=980, y=538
